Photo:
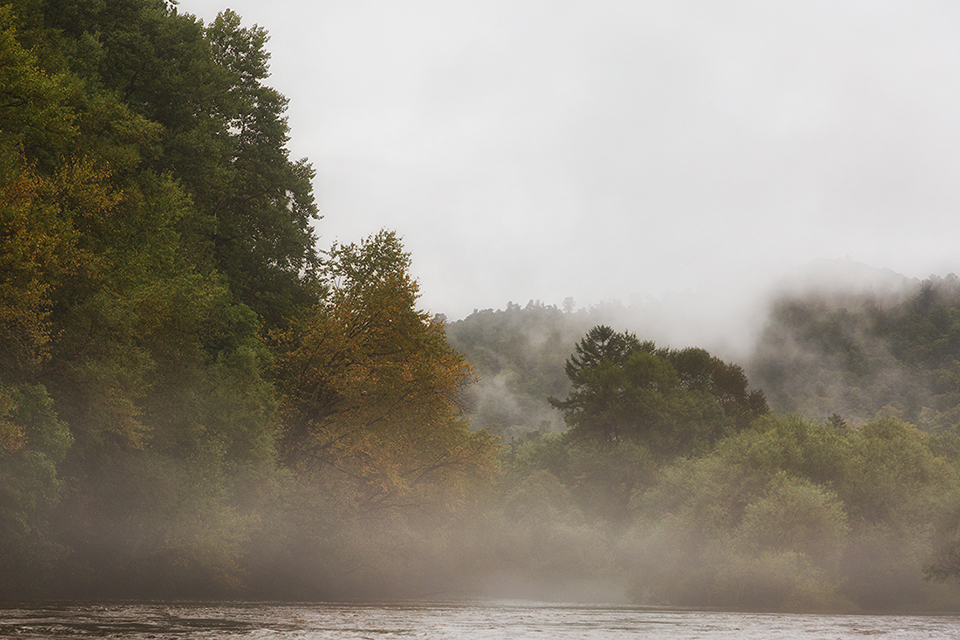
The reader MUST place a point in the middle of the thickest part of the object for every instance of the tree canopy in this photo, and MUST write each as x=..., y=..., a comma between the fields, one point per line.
x=670, y=401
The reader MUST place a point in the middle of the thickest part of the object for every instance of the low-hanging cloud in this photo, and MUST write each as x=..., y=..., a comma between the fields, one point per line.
x=604, y=150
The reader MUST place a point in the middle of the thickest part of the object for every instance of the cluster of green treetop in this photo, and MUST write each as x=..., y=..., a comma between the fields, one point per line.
x=196, y=401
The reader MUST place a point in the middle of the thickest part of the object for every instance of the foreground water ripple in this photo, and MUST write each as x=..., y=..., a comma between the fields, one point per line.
x=445, y=620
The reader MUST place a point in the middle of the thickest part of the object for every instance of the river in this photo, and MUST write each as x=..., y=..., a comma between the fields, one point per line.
x=453, y=621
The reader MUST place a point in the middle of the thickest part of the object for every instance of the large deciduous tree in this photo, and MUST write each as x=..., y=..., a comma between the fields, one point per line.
x=369, y=428
x=369, y=386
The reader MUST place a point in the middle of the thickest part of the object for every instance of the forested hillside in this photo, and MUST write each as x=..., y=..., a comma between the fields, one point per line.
x=518, y=354
x=193, y=399
x=198, y=401
x=864, y=354
x=852, y=352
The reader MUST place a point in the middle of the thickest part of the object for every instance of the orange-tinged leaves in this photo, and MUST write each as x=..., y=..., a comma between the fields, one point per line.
x=40, y=245
x=35, y=246
x=12, y=436
x=368, y=385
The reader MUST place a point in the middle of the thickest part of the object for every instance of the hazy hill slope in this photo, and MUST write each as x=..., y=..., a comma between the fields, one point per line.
x=865, y=354
x=867, y=343
x=518, y=355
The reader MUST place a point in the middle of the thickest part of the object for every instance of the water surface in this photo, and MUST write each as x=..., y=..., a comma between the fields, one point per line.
x=454, y=621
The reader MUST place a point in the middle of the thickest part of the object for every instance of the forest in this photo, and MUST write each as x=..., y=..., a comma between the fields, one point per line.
x=198, y=401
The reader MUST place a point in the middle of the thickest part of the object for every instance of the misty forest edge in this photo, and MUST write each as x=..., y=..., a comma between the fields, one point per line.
x=196, y=402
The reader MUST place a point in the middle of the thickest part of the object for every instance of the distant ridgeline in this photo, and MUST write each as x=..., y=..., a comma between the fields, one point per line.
x=850, y=355
x=522, y=358
x=856, y=356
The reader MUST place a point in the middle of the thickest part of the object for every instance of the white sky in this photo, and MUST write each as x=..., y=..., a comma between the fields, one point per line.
x=609, y=149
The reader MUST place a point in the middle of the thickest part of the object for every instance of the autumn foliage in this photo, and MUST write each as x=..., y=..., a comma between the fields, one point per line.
x=179, y=364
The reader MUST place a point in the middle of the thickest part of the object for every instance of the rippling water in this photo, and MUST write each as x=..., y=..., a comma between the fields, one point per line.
x=445, y=620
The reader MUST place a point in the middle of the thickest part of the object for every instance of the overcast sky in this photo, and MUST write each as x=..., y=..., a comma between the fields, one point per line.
x=624, y=149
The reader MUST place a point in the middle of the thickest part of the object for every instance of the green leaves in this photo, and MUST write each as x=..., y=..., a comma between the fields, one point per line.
x=263, y=239
x=33, y=113
x=790, y=493
x=32, y=442
x=602, y=344
x=864, y=356
x=624, y=389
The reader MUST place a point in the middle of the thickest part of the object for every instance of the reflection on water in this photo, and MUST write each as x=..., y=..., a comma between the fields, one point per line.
x=444, y=620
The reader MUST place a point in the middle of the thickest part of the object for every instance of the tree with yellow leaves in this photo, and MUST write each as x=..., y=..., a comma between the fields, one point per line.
x=369, y=386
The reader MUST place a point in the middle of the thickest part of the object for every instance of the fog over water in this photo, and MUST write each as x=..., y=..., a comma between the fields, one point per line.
x=625, y=150
x=449, y=621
